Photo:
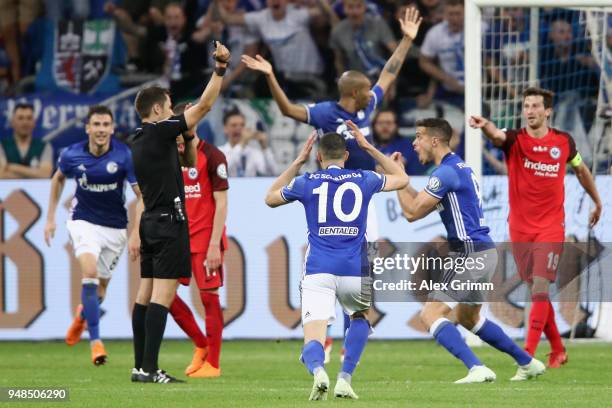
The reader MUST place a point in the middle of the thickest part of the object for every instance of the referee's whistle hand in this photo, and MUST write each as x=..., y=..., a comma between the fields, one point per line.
x=221, y=54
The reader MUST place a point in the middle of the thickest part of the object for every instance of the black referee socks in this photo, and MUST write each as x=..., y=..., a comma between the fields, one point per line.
x=138, y=328
x=155, y=325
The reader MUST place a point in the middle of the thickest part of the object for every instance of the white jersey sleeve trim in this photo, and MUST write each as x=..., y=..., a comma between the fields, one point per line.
x=432, y=194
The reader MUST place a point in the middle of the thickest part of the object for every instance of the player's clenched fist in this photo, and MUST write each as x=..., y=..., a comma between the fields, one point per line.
x=399, y=159
x=478, y=122
x=221, y=54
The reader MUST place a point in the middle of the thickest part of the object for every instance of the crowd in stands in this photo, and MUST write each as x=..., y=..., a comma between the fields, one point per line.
x=310, y=42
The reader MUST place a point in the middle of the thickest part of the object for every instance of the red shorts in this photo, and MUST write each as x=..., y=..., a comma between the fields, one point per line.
x=204, y=279
x=537, y=254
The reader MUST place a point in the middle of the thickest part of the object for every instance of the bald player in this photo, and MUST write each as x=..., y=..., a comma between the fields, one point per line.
x=357, y=96
x=358, y=99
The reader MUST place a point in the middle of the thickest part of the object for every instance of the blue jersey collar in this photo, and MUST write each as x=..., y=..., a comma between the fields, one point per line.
x=110, y=147
x=447, y=156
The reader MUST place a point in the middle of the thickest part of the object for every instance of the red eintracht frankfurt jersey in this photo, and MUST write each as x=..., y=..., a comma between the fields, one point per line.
x=536, y=174
x=200, y=182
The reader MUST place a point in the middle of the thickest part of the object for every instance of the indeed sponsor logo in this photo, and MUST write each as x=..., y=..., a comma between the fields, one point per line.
x=347, y=231
x=539, y=166
x=192, y=189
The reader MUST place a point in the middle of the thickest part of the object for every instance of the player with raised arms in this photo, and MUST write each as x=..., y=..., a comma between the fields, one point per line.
x=335, y=200
x=537, y=156
x=358, y=100
x=453, y=190
x=100, y=166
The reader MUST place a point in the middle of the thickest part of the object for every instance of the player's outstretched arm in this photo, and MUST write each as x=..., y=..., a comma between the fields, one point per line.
x=586, y=181
x=497, y=136
x=274, y=198
x=293, y=110
x=57, y=186
x=396, y=177
x=414, y=205
x=134, y=240
x=410, y=28
x=196, y=112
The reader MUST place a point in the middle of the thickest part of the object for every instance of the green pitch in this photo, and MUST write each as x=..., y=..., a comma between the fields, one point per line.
x=268, y=374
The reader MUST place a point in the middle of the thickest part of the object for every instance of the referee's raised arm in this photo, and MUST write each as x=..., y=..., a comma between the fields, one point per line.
x=197, y=111
x=164, y=246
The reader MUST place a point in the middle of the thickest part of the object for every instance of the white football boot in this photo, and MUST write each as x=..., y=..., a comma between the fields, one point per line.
x=320, y=386
x=478, y=374
x=529, y=371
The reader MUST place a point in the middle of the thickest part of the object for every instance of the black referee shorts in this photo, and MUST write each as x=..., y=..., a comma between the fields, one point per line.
x=164, y=246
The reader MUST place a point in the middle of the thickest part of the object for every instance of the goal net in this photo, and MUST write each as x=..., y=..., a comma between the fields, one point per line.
x=514, y=44
x=569, y=55
x=566, y=50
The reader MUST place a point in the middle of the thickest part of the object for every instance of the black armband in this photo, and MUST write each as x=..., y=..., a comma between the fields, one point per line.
x=187, y=138
x=220, y=71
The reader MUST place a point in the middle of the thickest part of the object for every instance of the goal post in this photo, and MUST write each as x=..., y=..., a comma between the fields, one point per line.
x=473, y=57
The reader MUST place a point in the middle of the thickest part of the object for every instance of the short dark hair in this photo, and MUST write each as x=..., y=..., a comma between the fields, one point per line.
x=23, y=105
x=179, y=108
x=232, y=112
x=147, y=97
x=99, y=110
x=332, y=146
x=547, y=95
x=438, y=127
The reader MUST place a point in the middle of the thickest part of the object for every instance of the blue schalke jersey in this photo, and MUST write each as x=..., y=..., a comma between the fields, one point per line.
x=336, y=204
x=460, y=207
x=330, y=117
x=100, y=187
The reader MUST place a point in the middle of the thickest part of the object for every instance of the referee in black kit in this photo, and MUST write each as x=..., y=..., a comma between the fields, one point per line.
x=164, y=234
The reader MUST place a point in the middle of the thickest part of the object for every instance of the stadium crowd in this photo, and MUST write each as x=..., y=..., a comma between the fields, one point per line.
x=309, y=42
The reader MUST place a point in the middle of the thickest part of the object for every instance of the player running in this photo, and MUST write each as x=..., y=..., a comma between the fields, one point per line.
x=536, y=156
x=206, y=202
x=453, y=190
x=336, y=203
x=100, y=166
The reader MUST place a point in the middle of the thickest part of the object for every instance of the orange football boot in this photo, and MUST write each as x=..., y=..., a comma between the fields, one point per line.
x=199, y=357
x=73, y=336
x=206, y=371
x=98, y=354
x=556, y=360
